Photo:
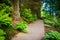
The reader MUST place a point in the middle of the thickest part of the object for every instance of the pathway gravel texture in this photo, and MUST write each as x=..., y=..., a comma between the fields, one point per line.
x=36, y=32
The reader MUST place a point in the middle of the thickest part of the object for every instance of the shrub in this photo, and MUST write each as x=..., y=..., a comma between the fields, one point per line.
x=5, y=8
x=49, y=22
x=52, y=35
x=22, y=26
x=57, y=24
x=2, y=34
x=6, y=23
x=5, y=20
x=27, y=16
x=58, y=13
x=52, y=23
x=2, y=38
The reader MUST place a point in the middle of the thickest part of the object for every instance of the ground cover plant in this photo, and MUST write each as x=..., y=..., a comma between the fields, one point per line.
x=52, y=35
x=27, y=16
x=22, y=27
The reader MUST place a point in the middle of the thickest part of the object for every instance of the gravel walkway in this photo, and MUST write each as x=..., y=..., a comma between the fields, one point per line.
x=36, y=32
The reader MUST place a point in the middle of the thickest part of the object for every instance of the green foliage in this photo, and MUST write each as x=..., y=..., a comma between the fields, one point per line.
x=49, y=22
x=25, y=31
x=58, y=13
x=22, y=26
x=2, y=38
x=52, y=35
x=5, y=22
x=2, y=34
x=44, y=13
x=5, y=9
x=27, y=16
x=55, y=22
x=50, y=18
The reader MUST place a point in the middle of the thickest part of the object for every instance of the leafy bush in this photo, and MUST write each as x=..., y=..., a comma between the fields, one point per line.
x=49, y=22
x=2, y=38
x=22, y=26
x=5, y=8
x=58, y=13
x=53, y=22
x=6, y=23
x=5, y=20
x=57, y=24
x=2, y=34
x=4, y=14
x=27, y=16
x=52, y=35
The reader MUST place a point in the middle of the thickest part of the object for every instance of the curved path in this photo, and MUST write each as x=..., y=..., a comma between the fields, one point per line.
x=36, y=32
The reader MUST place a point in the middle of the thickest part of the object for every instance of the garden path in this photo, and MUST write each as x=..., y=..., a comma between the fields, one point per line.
x=36, y=32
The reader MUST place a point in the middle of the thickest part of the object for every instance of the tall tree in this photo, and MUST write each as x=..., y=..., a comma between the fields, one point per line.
x=15, y=11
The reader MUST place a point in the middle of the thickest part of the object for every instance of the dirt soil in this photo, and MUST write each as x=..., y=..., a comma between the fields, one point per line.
x=36, y=32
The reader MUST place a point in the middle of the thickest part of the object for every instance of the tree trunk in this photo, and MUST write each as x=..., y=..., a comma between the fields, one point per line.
x=36, y=8
x=15, y=10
